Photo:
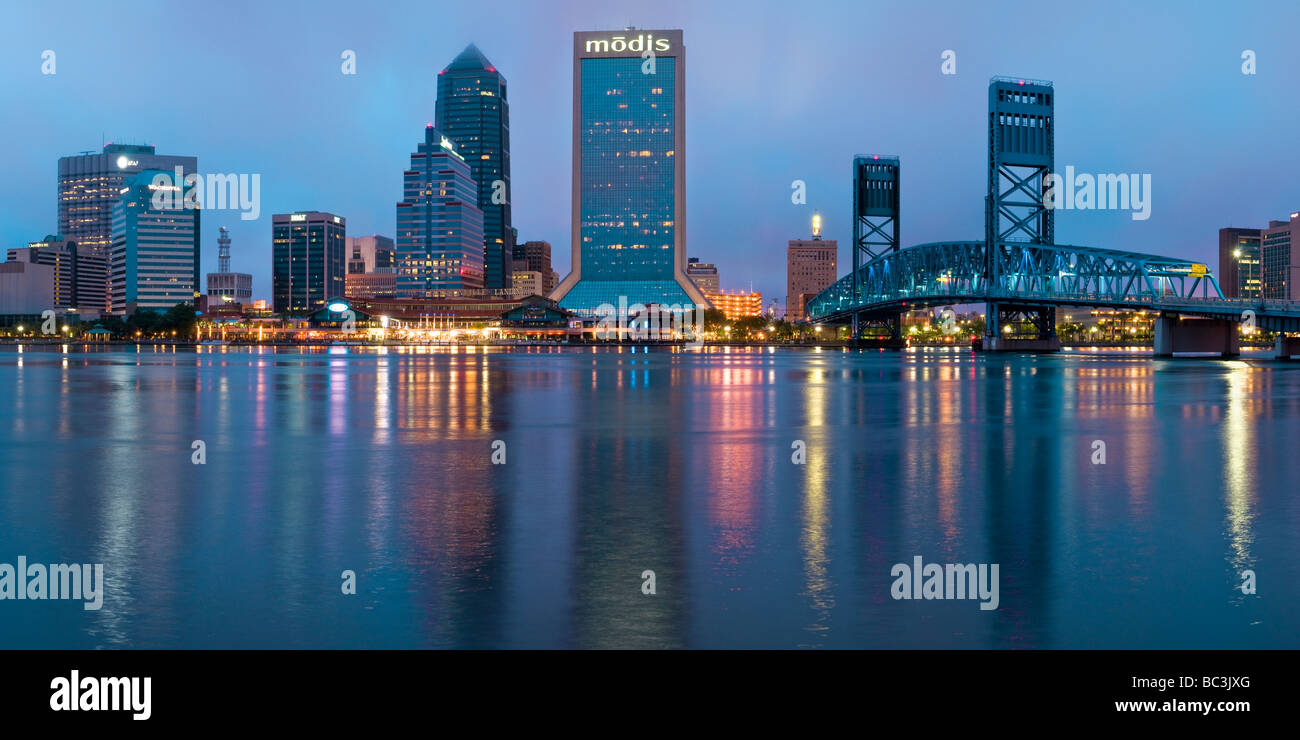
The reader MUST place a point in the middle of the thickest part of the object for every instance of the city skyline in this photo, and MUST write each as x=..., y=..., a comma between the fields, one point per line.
x=740, y=213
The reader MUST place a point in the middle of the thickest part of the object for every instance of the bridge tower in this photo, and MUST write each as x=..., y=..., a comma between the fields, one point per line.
x=1022, y=129
x=875, y=231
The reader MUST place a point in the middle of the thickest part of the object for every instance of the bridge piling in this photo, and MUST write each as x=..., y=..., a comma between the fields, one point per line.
x=1286, y=348
x=1180, y=334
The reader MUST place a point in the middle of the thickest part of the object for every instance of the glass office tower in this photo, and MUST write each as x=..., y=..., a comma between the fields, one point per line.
x=439, y=247
x=474, y=114
x=154, y=261
x=629, y=174
x=90, y=185
x=308, y=260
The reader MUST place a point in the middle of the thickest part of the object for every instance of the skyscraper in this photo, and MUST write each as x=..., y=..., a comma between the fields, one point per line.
x=629, y=174
x=474, y=114
x=1239, y=263
x=1279, y=255
x=809, y=269
x=704, y=275
x=155, y=245
x=90, y=185
x=308, y=260
x=439, y=227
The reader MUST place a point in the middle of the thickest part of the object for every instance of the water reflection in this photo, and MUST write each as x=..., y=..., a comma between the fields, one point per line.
x=617, y=462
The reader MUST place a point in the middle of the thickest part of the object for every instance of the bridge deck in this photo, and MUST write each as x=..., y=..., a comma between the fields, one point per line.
x=946, y=273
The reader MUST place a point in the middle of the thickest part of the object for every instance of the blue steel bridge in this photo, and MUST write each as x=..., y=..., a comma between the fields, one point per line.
x=1018, y=269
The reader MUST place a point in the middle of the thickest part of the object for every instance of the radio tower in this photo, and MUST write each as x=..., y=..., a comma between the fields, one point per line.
x=223, y=251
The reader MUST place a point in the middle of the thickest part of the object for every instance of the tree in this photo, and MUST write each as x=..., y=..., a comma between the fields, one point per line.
x=714, y=319
x=180, y=318
x=144, y=322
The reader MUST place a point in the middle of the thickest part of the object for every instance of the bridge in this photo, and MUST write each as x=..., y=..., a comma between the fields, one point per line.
x=1017, y=269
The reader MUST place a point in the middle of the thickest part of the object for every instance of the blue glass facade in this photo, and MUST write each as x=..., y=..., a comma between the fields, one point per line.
x=439, y=246
x=154, y=255
x=474, y=113
x=627, y=192
x=308, y=260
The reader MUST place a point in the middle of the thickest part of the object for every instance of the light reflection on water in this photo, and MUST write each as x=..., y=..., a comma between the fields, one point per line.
x=621, y=461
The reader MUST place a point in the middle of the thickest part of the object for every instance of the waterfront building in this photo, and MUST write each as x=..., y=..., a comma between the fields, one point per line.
x=1279, y=256
x=1239, y=263
x=26, y=291
x=223, y=285
x=308, y=253
x=473, y=112
x=154, y=262
x=704, y=275
x=809, y=269
x=80, y=275
x=738, y=305
x=90, y=184
x=439, y=246
x=628, y=237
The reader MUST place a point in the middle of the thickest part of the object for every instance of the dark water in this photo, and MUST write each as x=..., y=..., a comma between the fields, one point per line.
x=676, y=462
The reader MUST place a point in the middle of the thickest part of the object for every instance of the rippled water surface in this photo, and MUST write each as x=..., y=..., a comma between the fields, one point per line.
x=619, y=462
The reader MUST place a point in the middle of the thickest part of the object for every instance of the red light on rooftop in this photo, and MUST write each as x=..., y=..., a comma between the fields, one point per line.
x=428, y=125
x=876, y=156
x=1022, y=82
x=492, y=69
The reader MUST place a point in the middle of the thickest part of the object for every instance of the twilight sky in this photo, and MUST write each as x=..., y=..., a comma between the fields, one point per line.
x=776, y=91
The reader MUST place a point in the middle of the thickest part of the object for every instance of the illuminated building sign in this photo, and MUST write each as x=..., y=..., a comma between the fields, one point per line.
x=622, y=44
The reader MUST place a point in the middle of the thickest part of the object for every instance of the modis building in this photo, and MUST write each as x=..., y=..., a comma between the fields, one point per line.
x=629, y=172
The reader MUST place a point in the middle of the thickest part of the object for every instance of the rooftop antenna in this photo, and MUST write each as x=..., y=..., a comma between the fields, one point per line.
x=223, y=250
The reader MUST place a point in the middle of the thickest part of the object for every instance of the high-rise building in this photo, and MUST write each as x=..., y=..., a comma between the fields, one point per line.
x=473, y=112
x=308, y=260
x=1279, y=256
x=704, y=275
x=224, y=285
x=80, y=275
x=809, y=269
x=1239, y=264
x=629, y=173
x=155, y=245
x=439, y=227
x=369, y=253
x=90, y=184
x=537, y=255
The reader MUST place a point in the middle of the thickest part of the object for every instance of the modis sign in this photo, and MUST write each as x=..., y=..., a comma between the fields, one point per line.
x=622, y=44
